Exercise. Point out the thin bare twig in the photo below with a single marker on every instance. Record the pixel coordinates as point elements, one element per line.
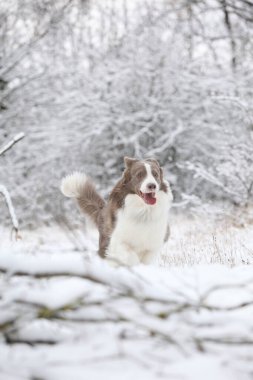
<point>10,144</point>
<point>8,201</point>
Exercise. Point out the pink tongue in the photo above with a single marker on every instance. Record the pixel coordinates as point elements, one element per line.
<point>149,199</point>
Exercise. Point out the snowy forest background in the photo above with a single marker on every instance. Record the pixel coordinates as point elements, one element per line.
<point>82,84</point>
<point>91,81</point>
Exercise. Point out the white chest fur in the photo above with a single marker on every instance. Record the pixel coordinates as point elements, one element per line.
<point>140,230</point>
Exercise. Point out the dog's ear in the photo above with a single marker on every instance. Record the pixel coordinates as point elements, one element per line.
<point>161,173</point>
<point>129,162</point>
<point>156,162</point>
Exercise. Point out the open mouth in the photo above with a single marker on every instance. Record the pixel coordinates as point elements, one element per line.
<point>149,198</point>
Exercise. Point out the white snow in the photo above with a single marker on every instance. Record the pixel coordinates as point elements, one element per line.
<point>86,319</point>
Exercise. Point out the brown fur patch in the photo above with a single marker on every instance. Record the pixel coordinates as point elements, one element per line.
<point>91,203</point>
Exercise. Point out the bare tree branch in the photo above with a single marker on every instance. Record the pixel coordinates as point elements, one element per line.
<point>8,201</point>
<point>10,144</point>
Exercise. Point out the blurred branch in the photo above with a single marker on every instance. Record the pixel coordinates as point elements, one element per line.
<point>10,144</point>
<point>5,192</point>
<point>8,201</point>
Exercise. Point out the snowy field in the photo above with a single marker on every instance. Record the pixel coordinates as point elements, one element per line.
<point>67,315</point>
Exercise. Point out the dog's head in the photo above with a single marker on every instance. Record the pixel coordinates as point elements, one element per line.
<point>144,178</point>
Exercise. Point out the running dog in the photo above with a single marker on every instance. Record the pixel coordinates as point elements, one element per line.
<point>133,223</point>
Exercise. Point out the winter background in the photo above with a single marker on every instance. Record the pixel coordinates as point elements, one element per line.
<point>83,83</point>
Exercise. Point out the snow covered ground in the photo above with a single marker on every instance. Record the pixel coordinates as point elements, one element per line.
<point>65,314</point>
<point>207,241</point>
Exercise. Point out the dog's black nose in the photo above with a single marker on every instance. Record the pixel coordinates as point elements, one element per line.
<point>151,186</point>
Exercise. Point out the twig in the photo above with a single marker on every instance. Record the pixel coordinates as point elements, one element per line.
<point>8,201</point>
<point>8,146</point>
<point>3,189</point>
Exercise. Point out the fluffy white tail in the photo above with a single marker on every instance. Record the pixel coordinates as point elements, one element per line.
<point>73,184</point>
<point>78,186</point>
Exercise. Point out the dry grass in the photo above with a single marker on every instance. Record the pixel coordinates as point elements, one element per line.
<point>205,241</point>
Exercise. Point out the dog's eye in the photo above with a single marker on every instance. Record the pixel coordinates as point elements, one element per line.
<point>139,175</point>
<point>155,174</point>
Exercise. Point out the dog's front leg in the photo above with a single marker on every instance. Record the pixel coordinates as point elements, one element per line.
<point>148,257</point>
<point>122,254</point>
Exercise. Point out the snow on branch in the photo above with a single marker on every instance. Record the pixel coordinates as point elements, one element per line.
<point>10,144</point>
<point>6,195</point>
<point>3,189</point>
<point>188,312</point>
